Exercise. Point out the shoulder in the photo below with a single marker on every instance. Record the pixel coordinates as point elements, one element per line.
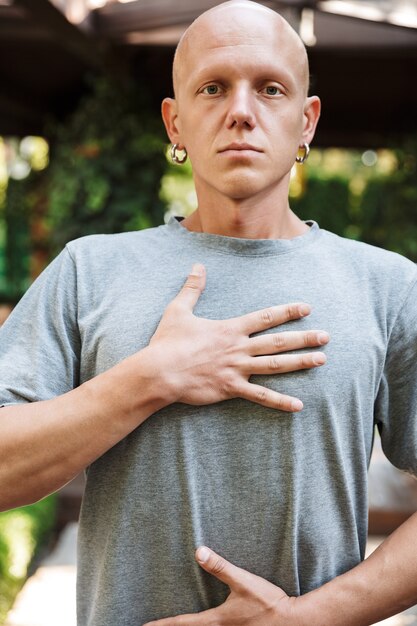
<point>105,253</point>
<point>114,243</point>
<point>370,262</point>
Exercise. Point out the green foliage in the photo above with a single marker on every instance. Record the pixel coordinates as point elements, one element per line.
<point>22,532</point>
<point>327,201</point>
<point>390,208</point>
<point>17,243</point>
<point>106,164</point>
<point>3,267</point>
<point>380,208</point>
<point>177,189</point>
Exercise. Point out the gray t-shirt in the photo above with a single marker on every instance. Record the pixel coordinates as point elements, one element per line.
<point>281,495</point>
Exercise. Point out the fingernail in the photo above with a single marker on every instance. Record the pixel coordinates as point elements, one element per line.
<point>304,309</point>
<point>296,405</point>
<point>322,338</point>
<point>203,554</point>
<point>197,269</point>
<point>319,358</point>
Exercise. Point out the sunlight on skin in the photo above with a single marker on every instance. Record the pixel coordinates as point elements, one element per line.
<point>245,75</point>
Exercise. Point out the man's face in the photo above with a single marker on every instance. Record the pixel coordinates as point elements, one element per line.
<point>241,102</point>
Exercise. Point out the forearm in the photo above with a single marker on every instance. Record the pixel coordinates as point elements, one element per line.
<point>45,444</point>
<point>189,359</point>
<point>383,585</point>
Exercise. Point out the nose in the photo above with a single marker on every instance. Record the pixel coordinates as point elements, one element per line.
<point>241,109</point>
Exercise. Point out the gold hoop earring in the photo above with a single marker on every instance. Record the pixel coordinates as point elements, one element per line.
<point>174,156</point>
<point>302,159</point>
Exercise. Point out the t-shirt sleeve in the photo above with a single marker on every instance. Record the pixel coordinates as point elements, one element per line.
<point>40,342</point>
<point>396,402</point>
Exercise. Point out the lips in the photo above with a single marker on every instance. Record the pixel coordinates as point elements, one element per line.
<point>240,147</point>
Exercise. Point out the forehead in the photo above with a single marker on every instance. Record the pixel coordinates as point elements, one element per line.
<point>240,61</point>
<point>246,44</point>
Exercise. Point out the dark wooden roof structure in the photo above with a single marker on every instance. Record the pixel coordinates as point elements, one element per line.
<point>364,70</point>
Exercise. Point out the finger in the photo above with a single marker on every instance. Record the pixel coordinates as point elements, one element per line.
<point>274,343</point>
<point>282,363</point>
<point>225,571</point>
<point>190,619</point>
<point>271,399</point>
<point>193,287</point>
<point>272,316</point>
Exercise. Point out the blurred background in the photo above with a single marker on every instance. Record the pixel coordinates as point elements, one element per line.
<point>83,150</point>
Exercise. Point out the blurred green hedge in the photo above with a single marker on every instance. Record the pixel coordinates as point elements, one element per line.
<point>22,532</point>
<point>379,208</point>
<point>106,162</point>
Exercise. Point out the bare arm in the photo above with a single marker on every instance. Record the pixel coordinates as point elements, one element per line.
<point>189,359</point>
<point>45,444</point>
<point>383,585</point>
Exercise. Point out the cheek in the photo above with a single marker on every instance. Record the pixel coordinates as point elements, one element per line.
<point>191,132</point>
<point>198,136</point>
<point>284,135</point>
<point>288,123</point>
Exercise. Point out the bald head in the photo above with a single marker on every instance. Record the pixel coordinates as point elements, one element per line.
<point>226,24</point>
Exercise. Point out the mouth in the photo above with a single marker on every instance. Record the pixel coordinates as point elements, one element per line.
<point>240,147</point>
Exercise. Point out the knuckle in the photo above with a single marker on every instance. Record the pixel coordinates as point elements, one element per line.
<point>310,339</point>
<point>261,394</point>
<point>291,311</point>
<point>192,283</point>
<point>307,361</point>
<point>229,386</point>
<point>285,403</point>
<point>280,403</point>
<point>267,316</point>
<point>278,341</point>
<point>275,364</point>
<point>218,565</point>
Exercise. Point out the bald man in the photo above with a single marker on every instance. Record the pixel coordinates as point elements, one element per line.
<point>201,410</point>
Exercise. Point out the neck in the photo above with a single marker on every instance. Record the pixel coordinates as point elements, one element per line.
<point>250,218</point>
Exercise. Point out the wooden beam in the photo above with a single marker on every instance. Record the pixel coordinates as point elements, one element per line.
<point>116,19</point>
<point>19,30</point>
<point>45,14</point>
<point>119,18</point>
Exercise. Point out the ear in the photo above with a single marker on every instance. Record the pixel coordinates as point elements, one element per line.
<point>170,118</point>
<point>310,118</point>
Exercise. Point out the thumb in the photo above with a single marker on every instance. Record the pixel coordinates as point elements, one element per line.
<point>193,286</point>
<point>220,568</point>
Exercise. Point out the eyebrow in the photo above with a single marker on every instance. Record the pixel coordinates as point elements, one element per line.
<point>262,72</point>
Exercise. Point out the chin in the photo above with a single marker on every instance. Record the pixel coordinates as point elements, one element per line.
<point>242,187</point>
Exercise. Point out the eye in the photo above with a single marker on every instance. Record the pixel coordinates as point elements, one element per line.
<point>272,90</point>
<point>211,90</point>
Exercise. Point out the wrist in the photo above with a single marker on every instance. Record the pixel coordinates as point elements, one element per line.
<point>342,601</point>
<point>303,612</point>
<point>131,391</point>
<point>156,378</point>
<point>306,610</point>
